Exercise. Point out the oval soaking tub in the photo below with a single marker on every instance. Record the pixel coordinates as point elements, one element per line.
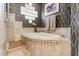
<point>46,44</point>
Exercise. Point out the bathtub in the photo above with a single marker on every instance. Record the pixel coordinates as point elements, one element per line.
<point>47,44</point>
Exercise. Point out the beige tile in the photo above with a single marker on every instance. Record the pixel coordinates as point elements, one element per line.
<point>15,44</point>
<point>22,51</point>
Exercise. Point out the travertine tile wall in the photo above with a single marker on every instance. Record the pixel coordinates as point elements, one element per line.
<point>66,31</point>
<point>13,28</point>
<point>2,29</point>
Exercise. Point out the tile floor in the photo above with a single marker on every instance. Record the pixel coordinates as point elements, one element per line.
<point>17,48</point>
<point>19,51</point>
<point>15,44</point>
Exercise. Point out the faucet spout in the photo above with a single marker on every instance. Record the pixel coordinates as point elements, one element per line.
<point>35,29</point>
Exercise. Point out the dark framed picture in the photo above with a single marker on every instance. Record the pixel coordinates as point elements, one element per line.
<point>51,8</point>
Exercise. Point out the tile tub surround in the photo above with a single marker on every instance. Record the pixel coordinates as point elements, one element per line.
<point>60,47</point>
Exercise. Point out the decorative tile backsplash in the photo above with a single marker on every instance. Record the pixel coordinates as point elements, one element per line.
<point>15,8</point>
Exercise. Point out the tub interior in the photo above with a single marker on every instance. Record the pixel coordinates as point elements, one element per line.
<point>42,35</point>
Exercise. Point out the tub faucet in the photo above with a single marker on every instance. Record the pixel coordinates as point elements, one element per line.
<point>35,29</point>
